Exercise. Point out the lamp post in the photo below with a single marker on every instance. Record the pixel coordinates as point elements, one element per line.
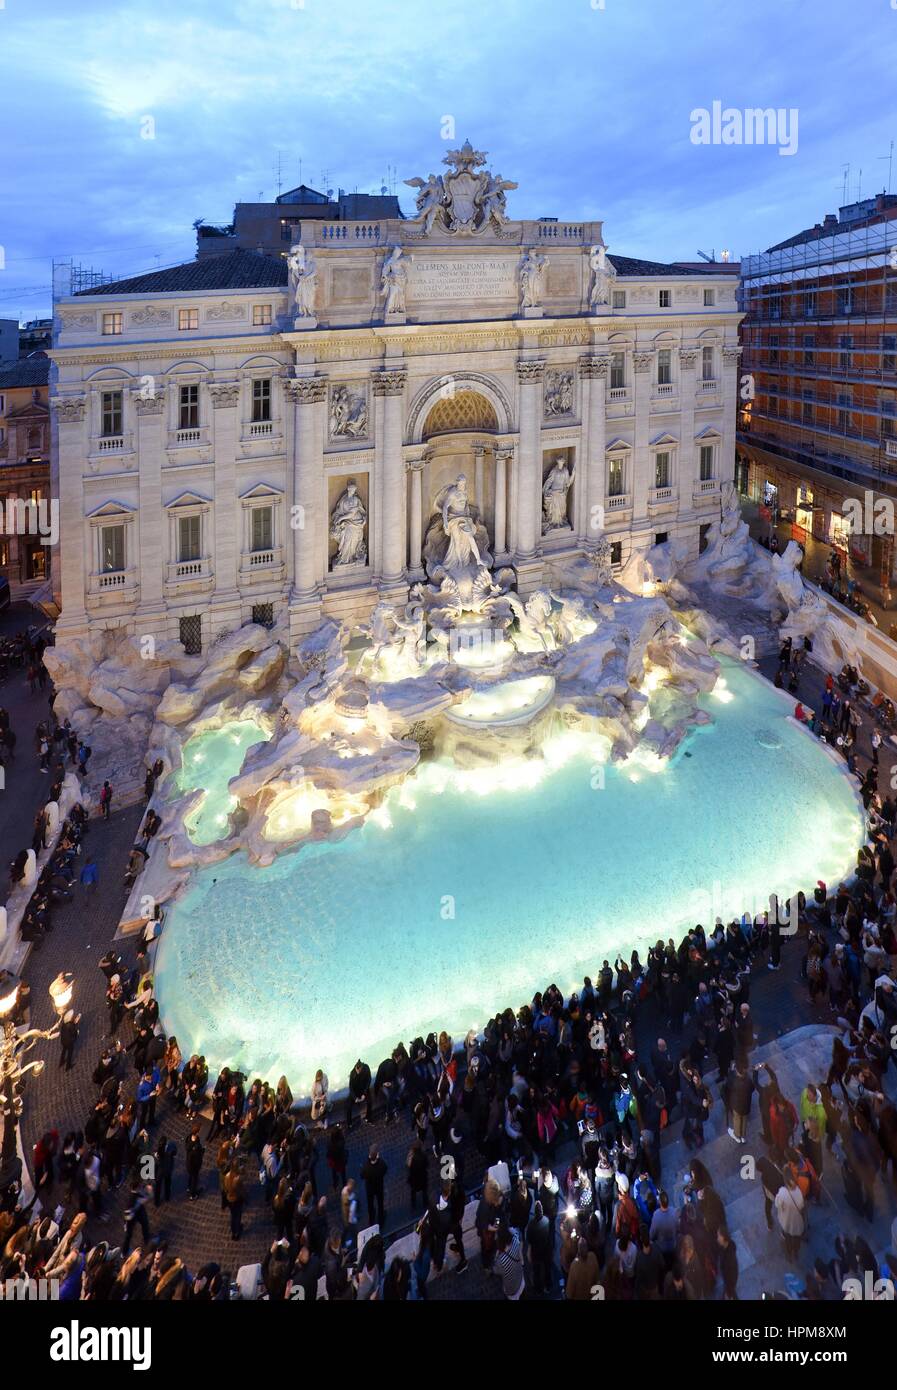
<point>12,1050</point>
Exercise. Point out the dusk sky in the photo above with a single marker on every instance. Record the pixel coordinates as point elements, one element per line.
<point>587,108</point>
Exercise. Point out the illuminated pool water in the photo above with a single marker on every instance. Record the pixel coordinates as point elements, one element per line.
<point>467,891</point>
<point>209,761</point>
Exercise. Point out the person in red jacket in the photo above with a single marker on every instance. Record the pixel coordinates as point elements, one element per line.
<point>782,1124</point>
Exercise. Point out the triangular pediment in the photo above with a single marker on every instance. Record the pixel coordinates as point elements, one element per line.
<point>708,432</point>
<point>188,499</point>
<point>616,445</point>
<point>663,439</point>
<point>112,508</point>
<point>261,490</point>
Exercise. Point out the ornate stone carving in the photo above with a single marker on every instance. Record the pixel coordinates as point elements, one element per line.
<point>558,394</point>
<point>70,409</point>
<point>641,361</point>
<point>389,382</point>
<point>603,276</point>
<point>78,320</point>
<point>150,317</point>
<point>687,358</point>
<point>348,412</point>
<point>303,280</point>
<point>149,401</point>
<point>643,294</point>
<point>347,527</point>
<point>469,199</point>
<point>689,294</point>
<point>225,394</point>
<point>530,370</point>
<point>554,497</point>
<point>226,312</point>
<point>456,547</point>
<point>731,354</point>
<point>530,276</point>
<point>306,390</point>
<point>594,367</point>
<point>394,282</point>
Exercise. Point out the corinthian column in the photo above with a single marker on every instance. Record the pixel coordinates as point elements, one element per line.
<point>731,356</point>
<point>149,403</point>
<point>225,399</point>
<point>687,472</point>
<point>389,384</point>
<point>592,470</point>
<point>502,459</point>
<point>307,395</point>
<point>73,449</point>
<point>529,458</point>
<point>415,470</point>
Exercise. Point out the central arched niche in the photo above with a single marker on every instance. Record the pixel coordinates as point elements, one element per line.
<point>457,430</point>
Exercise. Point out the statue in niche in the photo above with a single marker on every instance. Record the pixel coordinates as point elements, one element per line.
<point>303,276</point>
<point>456,550</point>
<point>603,276</point>
<point>554,497</point>
<point>453,505</point>
<point>394,281</point>
<point>347,523</point>
<point>348,414</point>
<point>532,269</point>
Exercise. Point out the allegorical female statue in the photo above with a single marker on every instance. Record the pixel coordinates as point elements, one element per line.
<point>554,497</point>
<point>458,525</point>
<point>347,523</point>
<point>530,274</point>
<point>304,275</point>
<point>393,282</point>
<point>603,276</point>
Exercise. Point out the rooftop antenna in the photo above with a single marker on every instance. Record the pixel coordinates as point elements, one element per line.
<point>846,168</point>
<point>890,158</point>
<point>300,171</point>
<point>860,187</point>
<point>279,174</point>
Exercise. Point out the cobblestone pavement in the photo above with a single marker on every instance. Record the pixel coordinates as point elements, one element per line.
<point>198,1231</point>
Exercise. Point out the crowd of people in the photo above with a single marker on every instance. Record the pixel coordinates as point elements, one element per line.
<point>554,1118</point>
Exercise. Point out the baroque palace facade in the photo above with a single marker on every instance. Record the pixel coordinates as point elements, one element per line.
<point>249,435</point>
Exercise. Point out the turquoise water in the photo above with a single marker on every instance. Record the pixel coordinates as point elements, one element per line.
<point>461,899</point>
<point>209,761</point>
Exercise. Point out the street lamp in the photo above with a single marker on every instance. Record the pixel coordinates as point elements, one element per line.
<point>12,1050</point>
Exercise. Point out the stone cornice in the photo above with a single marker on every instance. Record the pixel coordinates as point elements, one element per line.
<point>731,354</point>
<point>688,357</point>
<point>530,370</point>
<point>641,361</point>
<point>150,403</point>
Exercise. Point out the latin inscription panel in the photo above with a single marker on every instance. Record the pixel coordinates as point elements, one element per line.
<point>462,277</point>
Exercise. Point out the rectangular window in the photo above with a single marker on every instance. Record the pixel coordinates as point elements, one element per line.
<point>809,349</point>
<point>262,528</point>
<point>662,469</point>
<point>188,408</point>
<point>263,614</point>
<point>844,302</point>
<point>889,352</point>
<point>261,315</point>
<point>845,346</point>
<point>775,305</point>
<point>189,538</point>
<point>261,400</point>
<point>190,631</point>
<point>807,409</point>
<point>617,371</point>
<point>187,319</point>
<point>619,299</point>
<point>616,552</point>
<point>111,424</point>
<point>112,324</point>
<point>615,477</point>
<point>112,549</point>
<point>773,349</point>
<point>706,462</point>
<point>664,299</point>
<point>709,298</point>
<point>810,304</point>
<point>664,367</point>
<point>661,537</point>
<point>707,363</point>
<point>704,537</point>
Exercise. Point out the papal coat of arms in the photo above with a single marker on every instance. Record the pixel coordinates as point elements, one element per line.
<point>465,201</point>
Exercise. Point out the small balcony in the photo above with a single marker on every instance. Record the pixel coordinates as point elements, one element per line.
<point>261,429</point>
<point>618,393</point>
<point>184,575</point>
<point>706,489</point>
<point>113,587</point>
<point>663,388</point>
<point>261,566</point>
<point>188,437</point>
<point>110,444</point>
<point>618,502</point>
<point>709,387</point>
<point>663,498</point>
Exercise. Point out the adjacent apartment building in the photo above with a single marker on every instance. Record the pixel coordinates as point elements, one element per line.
<point>817,420</point>
<point>24,463</point>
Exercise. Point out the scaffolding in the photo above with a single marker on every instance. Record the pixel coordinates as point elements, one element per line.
<point>842,281</point>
